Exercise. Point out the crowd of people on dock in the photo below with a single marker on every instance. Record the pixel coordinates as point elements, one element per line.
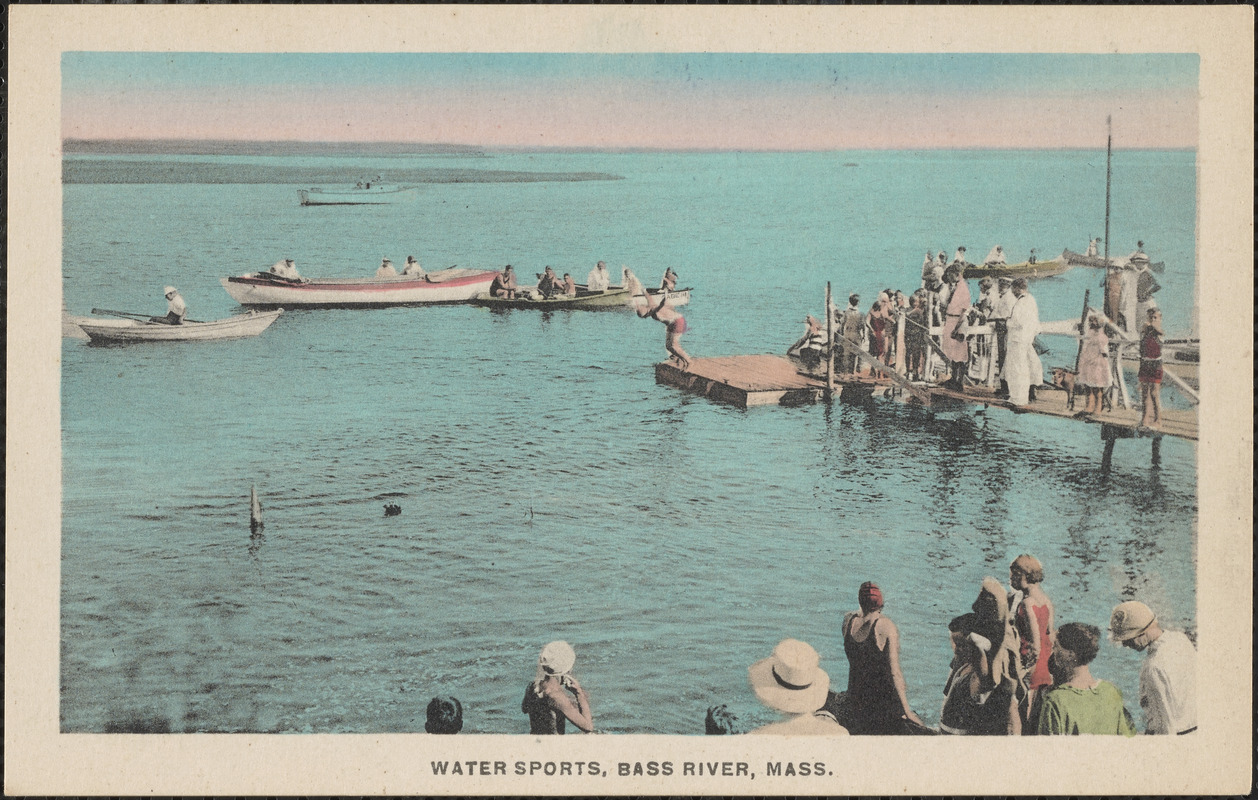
<point>942,333</point>
<point>1014,671</point>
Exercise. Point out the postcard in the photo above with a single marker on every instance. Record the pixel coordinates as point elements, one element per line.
<point>716,387</point>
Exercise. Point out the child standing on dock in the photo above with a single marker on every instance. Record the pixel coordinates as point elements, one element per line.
<point>1151,370</point>
<point>1094,364</point>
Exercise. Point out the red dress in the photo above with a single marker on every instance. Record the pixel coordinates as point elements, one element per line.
<point>1039,676</point>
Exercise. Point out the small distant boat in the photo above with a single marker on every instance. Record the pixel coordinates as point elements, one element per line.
<point>1024,269</point>
<point>452,285</point>
<point>369,193</point>
<point>1080,260</point>
<point>126,331</point>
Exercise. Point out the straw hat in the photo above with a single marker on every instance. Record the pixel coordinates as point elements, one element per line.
<point>557,658</point>
<point>1129,620</point>
<point>169,290</point>
<point>791,679</point>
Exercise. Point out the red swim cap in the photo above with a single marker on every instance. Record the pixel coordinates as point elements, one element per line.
<point>870,596</point>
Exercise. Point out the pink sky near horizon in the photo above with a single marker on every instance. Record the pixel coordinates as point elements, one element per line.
<point>637,115</point>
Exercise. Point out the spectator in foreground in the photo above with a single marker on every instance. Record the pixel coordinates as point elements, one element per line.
<point>445,715</point>
<point>792,681</point>
<point>876,691</point>
<point>555,696</point>
<point>1168,676</point>
<point>1079,703</point>
<point>720,722</point>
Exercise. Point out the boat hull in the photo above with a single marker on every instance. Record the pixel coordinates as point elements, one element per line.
<point>1040,269</point>
<point>614,297</point>
<point>375,196</point>
<point>446,286</point>
<point>130,331</point>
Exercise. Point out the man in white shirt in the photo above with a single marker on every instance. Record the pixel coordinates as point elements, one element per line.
<point>1093,249</point>
<point>413,267</point>
<point>1023,369</point>
<point>1168,677</point>
<point>386,269</point>
<point>285,268</point>
<point>959,258</point>
<point>176,308</point>
<point>995,256</point>
<point>598,280</point>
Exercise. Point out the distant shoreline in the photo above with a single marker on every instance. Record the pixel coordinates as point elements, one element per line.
<point>232,147</point>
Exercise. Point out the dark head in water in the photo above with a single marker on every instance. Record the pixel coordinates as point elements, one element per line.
<point>392,509</point>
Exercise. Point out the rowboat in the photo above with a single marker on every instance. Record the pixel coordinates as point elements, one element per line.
<point>366,194</point>
<point>1080,260</point>
<point>263,289</point>
<point>612,297</point>
<point>126,331</point>
<point>1024,269</point>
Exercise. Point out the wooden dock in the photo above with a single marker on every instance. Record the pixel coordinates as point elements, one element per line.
<point>747,381</point>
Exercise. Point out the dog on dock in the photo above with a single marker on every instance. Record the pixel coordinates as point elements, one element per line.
<point>1066,379</point>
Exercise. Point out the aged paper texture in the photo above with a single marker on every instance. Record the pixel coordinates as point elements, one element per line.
<point>42,759</point>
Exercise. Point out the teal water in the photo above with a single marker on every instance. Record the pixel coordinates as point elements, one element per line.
<point>549,488</point>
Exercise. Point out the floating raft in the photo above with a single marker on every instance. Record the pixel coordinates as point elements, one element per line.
<point>743,381</point>
<point>747,381</point>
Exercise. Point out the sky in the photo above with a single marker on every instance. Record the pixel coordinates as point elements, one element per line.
<point>706,101</point>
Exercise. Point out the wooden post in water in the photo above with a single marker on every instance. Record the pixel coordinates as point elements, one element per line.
<point>1157,451</point>
<point>255,511</point>
<point>829,347</point>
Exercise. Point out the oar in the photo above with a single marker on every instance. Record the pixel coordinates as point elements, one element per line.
<point>144,317</point>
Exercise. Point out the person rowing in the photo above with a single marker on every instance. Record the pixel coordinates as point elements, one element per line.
<point>177,309</point>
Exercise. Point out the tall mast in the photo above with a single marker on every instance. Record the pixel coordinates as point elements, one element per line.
<point>1109,144</point>
<point>1107,301</point>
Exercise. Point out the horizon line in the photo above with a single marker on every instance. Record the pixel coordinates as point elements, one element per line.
<point>591,148</point>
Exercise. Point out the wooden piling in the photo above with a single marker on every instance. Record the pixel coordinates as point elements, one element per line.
<point>829,347</point>
<point>255,511</point>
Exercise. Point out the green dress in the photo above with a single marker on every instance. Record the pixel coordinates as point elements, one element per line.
<point>1069,711</point>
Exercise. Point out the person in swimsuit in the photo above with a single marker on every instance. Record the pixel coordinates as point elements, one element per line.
<point>569,285</point>
<point>555,696</point>
<point>1034,621</point>
<point>877,697</point>
<point>675,323</point>
<point>504,285</point>
<point>1150,375</point>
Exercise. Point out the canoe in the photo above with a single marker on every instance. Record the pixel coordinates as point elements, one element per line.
<point>131,330</point>
<point>444,286</point>
<point>1080,260</point>
<point>612,297</point>
<point>374,194</point>
<point>1024,269</point>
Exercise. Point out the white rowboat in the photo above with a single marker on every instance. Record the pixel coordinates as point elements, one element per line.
<point>132,330</point>
<point>374,194</point>
<point>444,286</point>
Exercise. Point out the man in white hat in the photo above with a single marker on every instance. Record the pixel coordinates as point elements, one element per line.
<point>1168,677</point>
<point>176,308</point>
<point>386,270</point>
<point>792,681</point>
